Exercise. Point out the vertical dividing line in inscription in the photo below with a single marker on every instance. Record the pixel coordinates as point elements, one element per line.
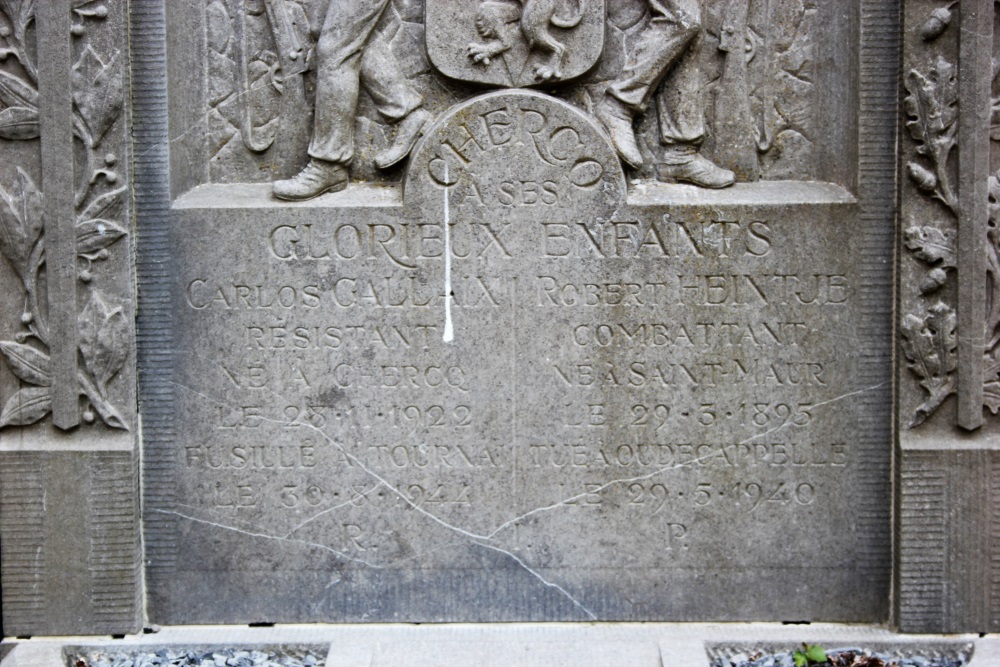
<point>53,21</point>
<point>513,381</point>
<point>449,329</point>
<point>975,73</point>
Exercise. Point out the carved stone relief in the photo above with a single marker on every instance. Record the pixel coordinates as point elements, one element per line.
<point>98,223</point>
<point>737,95</point>
<point>496,316</point>
<point>952,237</point>
<point>70,555</point>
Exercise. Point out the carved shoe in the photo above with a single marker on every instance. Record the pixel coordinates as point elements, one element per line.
<point>407,133</point>
<point>617,120</point>
<point>319,176</point>
<point>692,167</point>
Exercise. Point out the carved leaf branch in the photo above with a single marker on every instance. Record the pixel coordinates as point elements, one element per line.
<point>932,112</point>
<point>930,345</point>
<point>20,14</point>
<point>103,328</point>
<point>20,223</point>
<point>97,95</point>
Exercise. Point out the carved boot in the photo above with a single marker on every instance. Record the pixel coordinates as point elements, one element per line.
<point>617,120</point>
<point>319,176</point>
<point>684,164</point>
<point>407,132</point>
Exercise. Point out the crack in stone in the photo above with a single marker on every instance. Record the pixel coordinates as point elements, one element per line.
<point>542,579</point>
<point>486,541</point>
<point>267,536</point>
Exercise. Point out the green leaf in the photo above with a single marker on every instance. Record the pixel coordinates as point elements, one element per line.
<point>800,659</point>
<point>815,654</point>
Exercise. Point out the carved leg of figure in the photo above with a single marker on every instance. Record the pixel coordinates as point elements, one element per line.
<point>347,27</point>
<point>396,100</point>
<point>680,109</point>
<point>672,28</point>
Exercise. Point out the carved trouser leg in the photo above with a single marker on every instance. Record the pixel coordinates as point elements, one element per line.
<point>348,45</point>
<point>383,79</point>
<point>674,25</point>
<point>680,102</point>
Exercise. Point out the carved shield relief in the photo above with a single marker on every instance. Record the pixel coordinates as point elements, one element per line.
<point>514,43</point>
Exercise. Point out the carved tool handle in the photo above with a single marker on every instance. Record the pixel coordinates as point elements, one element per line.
<point>735,129</point>
<point>285,35</point>
<point>243,81</point>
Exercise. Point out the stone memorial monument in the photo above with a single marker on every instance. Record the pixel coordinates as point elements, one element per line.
<point>498,310</point>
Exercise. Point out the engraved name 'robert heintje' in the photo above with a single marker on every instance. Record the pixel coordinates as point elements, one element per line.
<point>481,291</point>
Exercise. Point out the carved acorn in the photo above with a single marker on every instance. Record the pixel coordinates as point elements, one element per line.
<point>924,178</point>
<point>938,22</point>
<point>934,280</point>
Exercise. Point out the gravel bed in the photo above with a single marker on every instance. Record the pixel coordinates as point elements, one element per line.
<point>842,657</point>
<point>230,657</point>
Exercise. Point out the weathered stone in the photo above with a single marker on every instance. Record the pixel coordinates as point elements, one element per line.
<point>69,502</point>
<point>948,329</point>
<point>503,310</point>
<point>518,375</point>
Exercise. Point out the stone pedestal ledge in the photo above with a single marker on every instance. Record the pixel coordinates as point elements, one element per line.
<point>523,645</point>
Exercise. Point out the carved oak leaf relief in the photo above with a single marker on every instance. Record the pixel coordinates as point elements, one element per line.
<point>928,337</point>
<point>932,112</point>
<point>935,248</point>
<point>930,345</point>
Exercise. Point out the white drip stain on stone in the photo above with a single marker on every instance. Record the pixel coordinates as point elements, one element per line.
<point>449,330</point>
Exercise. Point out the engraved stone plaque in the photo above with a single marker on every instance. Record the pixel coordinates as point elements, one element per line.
<point>584,356</point>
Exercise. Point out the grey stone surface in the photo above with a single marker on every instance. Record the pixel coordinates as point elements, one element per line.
<point>513,371</point>
<point>69,507</point>
<point>530,645</point>
<point>947,553</point>
<point>523,350</point>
